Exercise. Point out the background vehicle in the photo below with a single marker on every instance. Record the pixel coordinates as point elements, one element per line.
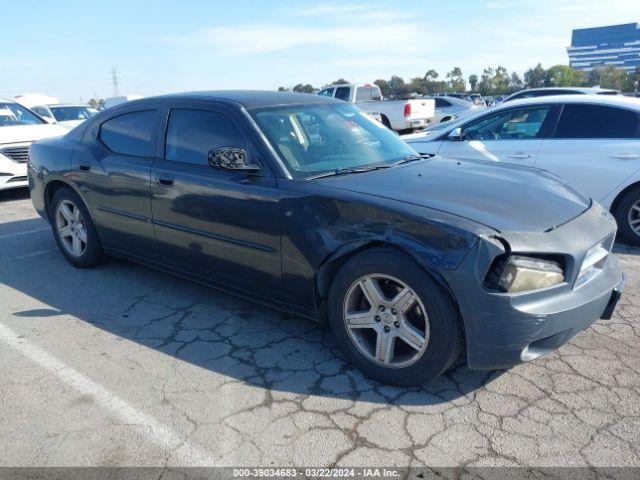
<point>450,108</point>
<point>307,204</point>
<point>65,115</point>
<point>18,128</point>
<point>113,101</point>
<point>398,115</point>
<point>591,141</point>
<point>546,92</point>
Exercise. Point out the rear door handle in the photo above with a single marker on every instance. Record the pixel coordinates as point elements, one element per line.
<point>164,180</point>
<point>84,165</point>
<point>520,156</point>
<point>626,156</point>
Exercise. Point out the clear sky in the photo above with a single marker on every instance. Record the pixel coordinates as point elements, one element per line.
<point>67,48</point>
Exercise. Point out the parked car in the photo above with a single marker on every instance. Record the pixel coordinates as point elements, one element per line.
<point>18,128</point>
<point>547,92</point>
<point>65,115</point>
<point>591,141</point>
<point>113,101</point>
<point>306,204</point>
<point>398,115</point>
<point>450,108</point>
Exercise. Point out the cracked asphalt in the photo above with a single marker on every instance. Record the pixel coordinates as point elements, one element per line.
<point>126,366</point>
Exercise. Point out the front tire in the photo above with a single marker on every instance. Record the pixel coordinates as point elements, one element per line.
<point>74,230</point>
<point>393,321</point>
<point>627,214</point>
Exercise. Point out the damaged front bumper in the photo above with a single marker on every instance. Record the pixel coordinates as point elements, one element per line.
<point>503,329</point>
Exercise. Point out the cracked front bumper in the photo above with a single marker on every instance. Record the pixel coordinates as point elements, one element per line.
<point>504,329</point>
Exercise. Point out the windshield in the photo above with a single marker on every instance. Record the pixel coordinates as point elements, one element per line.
<point>12,114</point>
<point>322,138</point>
<point>64,114</point>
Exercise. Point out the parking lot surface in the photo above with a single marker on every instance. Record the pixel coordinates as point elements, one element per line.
<point>123,365</point>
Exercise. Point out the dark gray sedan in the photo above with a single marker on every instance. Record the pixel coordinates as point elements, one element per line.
<point>305,204</point>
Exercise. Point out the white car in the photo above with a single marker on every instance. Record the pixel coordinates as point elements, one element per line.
<point>549,91</point>
<point>451,108</point>
<point>18,128</point>
<point>591,141</point>
<point>398,115</point>
<point>65,115</point>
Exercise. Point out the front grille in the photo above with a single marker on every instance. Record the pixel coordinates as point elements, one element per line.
<point>17,154</point>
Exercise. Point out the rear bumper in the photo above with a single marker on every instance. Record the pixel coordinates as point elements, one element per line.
<point>416,123</point>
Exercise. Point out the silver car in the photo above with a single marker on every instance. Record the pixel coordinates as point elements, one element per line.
<point>452,108</point>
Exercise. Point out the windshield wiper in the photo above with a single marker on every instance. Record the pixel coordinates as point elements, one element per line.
<point>347,171</point>
<point>413,158</point>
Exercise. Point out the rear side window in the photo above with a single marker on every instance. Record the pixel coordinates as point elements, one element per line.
<point>191,134</point>
<point>596,121</point>
<point>440,103</point>
<point>131,133</point>
<point>342,93</point>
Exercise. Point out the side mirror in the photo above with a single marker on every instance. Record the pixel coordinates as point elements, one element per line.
<point>455,135</point>
<point>231,159</point>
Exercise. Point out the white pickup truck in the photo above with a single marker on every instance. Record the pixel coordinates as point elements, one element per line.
<point>398,115</point>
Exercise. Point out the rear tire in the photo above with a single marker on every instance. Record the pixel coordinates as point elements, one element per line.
<point>74,230</point>
<point>432,316</point>
<point>386,122</point>
<point>627,214</point>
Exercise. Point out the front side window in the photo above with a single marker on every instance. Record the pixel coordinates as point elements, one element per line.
<point>342,93</point>
<point>322,138</point>
<point>131,133</point>
<point>191,134</point>
<point>516,124</point>
<point>596,121</point>
<point>12,114</point>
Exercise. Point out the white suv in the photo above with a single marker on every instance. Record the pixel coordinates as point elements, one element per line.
<point>591,141</point>
<point>19,127</point>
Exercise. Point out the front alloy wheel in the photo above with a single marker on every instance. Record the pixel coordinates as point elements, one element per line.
<point>386,320</point>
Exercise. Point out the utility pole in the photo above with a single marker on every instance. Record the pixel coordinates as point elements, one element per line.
<point>114,81</point>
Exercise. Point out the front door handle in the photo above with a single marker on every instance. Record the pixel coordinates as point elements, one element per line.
<point>164,180</point>
<point>520,156</point>
<point>626,156</point>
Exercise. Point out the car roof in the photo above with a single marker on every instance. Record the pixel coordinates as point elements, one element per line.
<point>67,105</point>
<point>614,100</point>
<point>247,98</point>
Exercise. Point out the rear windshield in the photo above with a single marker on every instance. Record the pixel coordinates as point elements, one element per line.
<point>12,114</point>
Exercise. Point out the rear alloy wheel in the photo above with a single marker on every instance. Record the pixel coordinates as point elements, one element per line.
<point>392,319</point>
<point>71,228</point>
<point>627,215</point>
<point>74,230</point>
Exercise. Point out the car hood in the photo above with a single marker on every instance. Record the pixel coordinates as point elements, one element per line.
<point>29,133</point>
<point>500,196</point>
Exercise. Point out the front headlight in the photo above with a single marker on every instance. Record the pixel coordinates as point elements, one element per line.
<point>517,273</point>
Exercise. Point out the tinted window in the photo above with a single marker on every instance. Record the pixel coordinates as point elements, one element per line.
<point>363,94</point>
<point>594,121</point>
<point>131,133</point>
<point>516,124</point>
<point>440,103</point>
<point>328,92</point>
<point>342,93</point>
<point>12,114</point>
<point>192,133</point>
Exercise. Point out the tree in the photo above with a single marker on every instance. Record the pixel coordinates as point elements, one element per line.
<point>431,83</point>
<point>300,88</point>
<point>397,86</point>
<point>283,89</point>
<point>515,83</point>
<point>456,80</point>
<point>96,102</point>
<point>340,81</point>
<point>534,77</point>
<point>384,87</point>
<point>559,76</point>
<point>473,81</point>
